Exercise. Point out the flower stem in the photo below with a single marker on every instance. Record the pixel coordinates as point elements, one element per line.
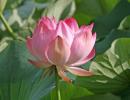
<point>7,26</point>
<point>58,87</point>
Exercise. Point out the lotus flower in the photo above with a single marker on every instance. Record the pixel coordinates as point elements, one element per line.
<point>62,44</point>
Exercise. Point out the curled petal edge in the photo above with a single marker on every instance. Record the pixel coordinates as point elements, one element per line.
<point>88,58</point>
<point>79,71</point>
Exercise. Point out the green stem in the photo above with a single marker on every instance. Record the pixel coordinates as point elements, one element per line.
<point>7,26</point>
<point>58,88</point>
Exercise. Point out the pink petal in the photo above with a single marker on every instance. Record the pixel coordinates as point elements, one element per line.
<point>72,23</point>
<point>58,52</point>
<point>45,30</point>
<point>49,23</point>
<point>31,49</point>
<point>85,60</point>
<point>43,59</point>
<point>64,77</point>
<point>79,71</point>
<point>38,45</point>
<point>40,42</point>
<point>45,23</point>
<point>44,33</point>
<point>82,45</point>
<point>29,45</point>
<point>39,63</point>
<point>65,32</point>
<point>90,27</point>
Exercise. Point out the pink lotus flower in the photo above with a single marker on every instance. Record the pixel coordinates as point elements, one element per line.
<point>62,44</point>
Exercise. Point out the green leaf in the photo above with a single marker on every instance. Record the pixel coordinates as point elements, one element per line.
<point>69,10</point>
<point>125,24</point>
<point>111,69</point>
<point>68,91</point>
<point>56,8</point>
<point>103,45</point>
<point>95,7</point>
<point>100,97</point>
<point>88,10</point>
<point>105,24</point>
<point>20,80</point>
<point>2,5</point>
<point>125,94</point>
<point>83,18</point>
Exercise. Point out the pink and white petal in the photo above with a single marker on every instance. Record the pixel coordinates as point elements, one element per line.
<point>58,52</point>
<point>43,37</point>
<point>65,32</point>
<point>85,60</point>
<point>64,77</point>
<point>47,23</point>
<point>43,61</point>
<point>87,29</point>
<point>29,45</point>
<point>81,46</point>
<point>33,51</point>
<point>39,64</point>
<point>72,23</point>
<point>40,42</point>
<point>79,71</point>
<point>44,34</point>
<point>53,21</point>
<point>37,45</point>
<point>45,30</point>
<point>50,23</point>
<point>90,27</point>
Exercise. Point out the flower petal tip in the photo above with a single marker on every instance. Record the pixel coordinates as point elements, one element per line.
<point>92,24</point>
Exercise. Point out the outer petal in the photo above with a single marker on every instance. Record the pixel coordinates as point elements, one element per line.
<point>85,60</point>
<point>65,32</point>
<point>90,27</point>
<point>43,36</point>
<point>72,23</point>
<point>29,45</point>
<point>79,71</point>
<point>39,63</point>
<point>44,63</point>
<point>82,45</point>
<point>39,44</point>
<point>58,52</point>
<point>45,23</point>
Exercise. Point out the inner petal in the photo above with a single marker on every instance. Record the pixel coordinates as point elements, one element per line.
<point>58,52</point>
